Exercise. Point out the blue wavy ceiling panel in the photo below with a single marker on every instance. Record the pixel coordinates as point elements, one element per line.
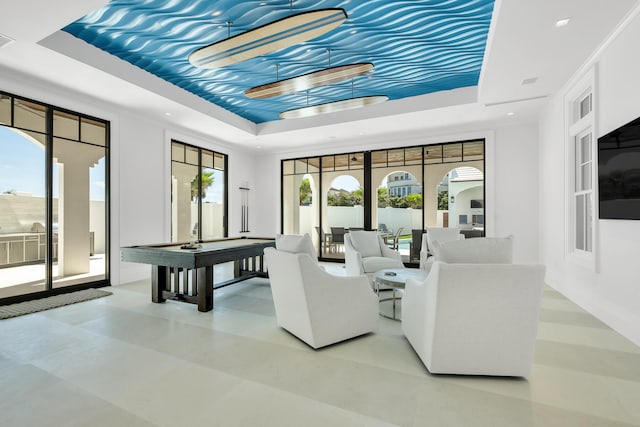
<point>417,47</point>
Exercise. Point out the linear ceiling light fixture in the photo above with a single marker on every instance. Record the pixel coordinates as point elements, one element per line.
<point>268,38</point>
<point>309,81</point>
<point>332,107</point>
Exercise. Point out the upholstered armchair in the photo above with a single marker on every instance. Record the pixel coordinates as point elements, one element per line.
<point>474,319</point>
<point>433,234</point>
<point>366,253</point>
<point>476,313</point>
<point>315,306</point>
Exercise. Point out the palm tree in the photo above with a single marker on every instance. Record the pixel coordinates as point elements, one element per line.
<point>207,179</point>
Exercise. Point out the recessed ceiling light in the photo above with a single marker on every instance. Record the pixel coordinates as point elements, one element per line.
<point>511,114</point>
<point>217,13</point>
<point>167,114</point>
<point>259,147</point>
<point>563,22</point>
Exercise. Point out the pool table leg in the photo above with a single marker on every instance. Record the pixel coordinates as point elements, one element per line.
<point>205,288</point>
<point>158,282</point>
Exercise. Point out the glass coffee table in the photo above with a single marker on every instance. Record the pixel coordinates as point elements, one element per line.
<point>394,279</point>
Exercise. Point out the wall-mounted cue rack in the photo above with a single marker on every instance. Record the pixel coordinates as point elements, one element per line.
<point>244,209</point>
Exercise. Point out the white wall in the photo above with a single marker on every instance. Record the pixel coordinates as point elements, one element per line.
<point>613,293</point>
<point>516,189</point>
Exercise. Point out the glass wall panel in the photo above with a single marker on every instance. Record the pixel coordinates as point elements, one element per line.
<point>452,152</point>
<point>341,162</point>
<point>66,125</point>
<point>328,163</point>
<point>342,202</point>
<point>413,156</point>
<point>191,155</point>
<point>177,152</point>
<point>79,224</point>
<point>93,131</point>
<point>473,150</point>
<point>397,197</point>
<point>198,194</point>
<point>454,190</point>
<point>432,154</point>
<point>300,205</point>
<point>410,188</point>
<point>395,157</point>
<point>184,202</point>
<point>213,186</point>
<point>379,159</point>
<point>22,213</point>
<point>29,115</point>
<point>78,182</point>
<point>314,164</point>
<point>5,109</point>
<point>301,166</point>
<point>220,161</point>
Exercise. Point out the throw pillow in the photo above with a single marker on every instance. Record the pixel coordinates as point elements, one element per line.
<point>479,250</point>
<point>296,244</point>
<point>366,242</point>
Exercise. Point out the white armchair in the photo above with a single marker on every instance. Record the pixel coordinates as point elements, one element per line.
<point>476,313</point>
<point>434,234</point>
<point>474,319</point>
<point>315,306</point>
<point>366,253</point>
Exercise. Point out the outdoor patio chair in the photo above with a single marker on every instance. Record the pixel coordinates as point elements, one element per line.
<point>337,236</point>
<point>393,241</point>
<point>325,241</point>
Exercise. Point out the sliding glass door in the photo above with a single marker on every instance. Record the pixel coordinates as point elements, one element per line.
<point>198,193</point>
<point>53,199</point>
<point>399,192</point>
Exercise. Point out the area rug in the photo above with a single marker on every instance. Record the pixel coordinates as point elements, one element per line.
<point>42,304</point>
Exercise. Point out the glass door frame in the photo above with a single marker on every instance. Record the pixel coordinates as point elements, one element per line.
<point>368,201</point>
<point>50,290</point>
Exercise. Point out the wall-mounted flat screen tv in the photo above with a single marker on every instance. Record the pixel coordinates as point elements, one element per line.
<point>619,172</point>
<point>477,203</point>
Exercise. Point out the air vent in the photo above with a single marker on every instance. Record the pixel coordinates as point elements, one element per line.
<point>5,40</point>
<point>530,81</point>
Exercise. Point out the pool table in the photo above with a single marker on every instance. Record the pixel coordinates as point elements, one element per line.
<point>187,274</point>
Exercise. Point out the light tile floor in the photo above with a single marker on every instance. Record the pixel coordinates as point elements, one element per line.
<point>124,361</point>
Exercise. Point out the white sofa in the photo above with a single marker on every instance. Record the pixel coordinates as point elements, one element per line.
<point>476,314</point>
<point>433,234</point>
<point>315,306</point>
<point>366,253</point>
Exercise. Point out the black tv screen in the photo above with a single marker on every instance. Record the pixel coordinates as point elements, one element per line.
<point>477,203</point>
<point>619,172</point>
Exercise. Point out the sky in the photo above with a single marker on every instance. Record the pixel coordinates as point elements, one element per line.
<point>22,167</point>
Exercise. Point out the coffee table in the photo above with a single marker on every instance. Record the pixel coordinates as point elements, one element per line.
<point>395,279</point>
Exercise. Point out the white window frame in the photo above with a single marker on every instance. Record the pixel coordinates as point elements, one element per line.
<point>576,128</point>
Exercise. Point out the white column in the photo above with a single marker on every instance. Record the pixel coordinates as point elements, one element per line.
<point>74,161</point>
<point>184,175</point>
